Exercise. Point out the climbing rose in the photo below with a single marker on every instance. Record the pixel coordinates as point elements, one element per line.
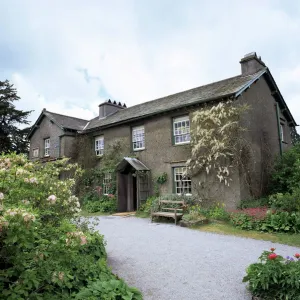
<point>272,256</point>
<point>273,249</point>
<point>297,255</point>
<point>52,199</point>
<point>1,196</point>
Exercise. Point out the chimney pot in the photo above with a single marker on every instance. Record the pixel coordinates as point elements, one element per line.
<point>109,107</point>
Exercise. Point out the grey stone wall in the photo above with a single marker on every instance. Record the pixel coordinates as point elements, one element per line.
<point>262,136</point>
<point>47,129</point>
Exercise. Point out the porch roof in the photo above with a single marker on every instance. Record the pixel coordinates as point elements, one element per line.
<point>135,163</point>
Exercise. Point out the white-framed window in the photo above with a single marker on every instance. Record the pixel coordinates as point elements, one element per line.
<point>99,145</point>
<point>181,130</point>
<point>107,183</point>
<point>182,182</point>
<point>282,132</point>
<point>47,147</point>
<point>35,152</point>
<point>138,138</point>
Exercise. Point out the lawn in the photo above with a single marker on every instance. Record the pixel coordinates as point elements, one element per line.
<point>84,213</point>
<point>228,229</point>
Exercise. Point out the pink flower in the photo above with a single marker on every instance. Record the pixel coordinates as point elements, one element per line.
<point>297,255</point>
<point>272,249</point>
<point>52,199</point>
<point>83,240</point>
<point>110,195</point>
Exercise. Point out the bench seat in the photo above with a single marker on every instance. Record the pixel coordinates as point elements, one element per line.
<point>170,212</point>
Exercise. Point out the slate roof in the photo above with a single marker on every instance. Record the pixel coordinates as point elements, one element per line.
<point>219,89</point>
<point>66,122</point>
<point>62,121</point>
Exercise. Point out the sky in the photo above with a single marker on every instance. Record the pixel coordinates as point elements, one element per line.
<point>69,56</point>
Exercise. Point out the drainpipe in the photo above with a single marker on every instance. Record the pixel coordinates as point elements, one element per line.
<point>278,128</point>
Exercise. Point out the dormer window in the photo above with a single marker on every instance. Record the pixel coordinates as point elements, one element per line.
<point>99,145</point>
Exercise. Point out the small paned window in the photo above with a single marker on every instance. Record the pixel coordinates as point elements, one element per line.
<point>47,147</point>
<point>181,130</point>
<point>107,180</point>
<point>35,152</point>
<point>138,138</point>
<point>182,182</point>
<point>99,145</point>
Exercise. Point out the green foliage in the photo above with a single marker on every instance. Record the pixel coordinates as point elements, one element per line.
<point>146,207</point>
<point>266,220</point>
<point>274,277</point>
<point>103,204</point>
<point>288,202</point>
<point>43,255</point>
<point>158,182</point>
<point>286,172</point>
<point>109,290</point>
<point>253,203</point>
<point>12,138</point>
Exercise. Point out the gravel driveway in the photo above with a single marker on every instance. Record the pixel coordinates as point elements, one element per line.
<point>170,262</point>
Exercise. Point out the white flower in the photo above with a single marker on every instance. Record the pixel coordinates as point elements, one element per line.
<point>52,199</point>
<point>1,196</point>
<point>33,180</point>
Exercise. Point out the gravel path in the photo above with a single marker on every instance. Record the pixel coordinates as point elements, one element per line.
<point>167,262</point>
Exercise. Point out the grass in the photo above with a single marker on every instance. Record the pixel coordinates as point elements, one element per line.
<point>85,213</point>
<point>228,229</point>
<point>141,214</point>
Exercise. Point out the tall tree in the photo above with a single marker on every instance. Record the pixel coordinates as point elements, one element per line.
<point>12,137</point>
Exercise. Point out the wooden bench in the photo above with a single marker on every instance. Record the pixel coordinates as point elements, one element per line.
<point>169,212</point>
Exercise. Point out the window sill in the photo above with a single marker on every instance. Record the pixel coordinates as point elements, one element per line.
<point>140,149</point>
<point>181,144</point>
<point>46,155</point>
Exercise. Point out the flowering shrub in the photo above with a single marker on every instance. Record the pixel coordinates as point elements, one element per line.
<point>274,277</point>
<point>264,219</point>
<point>215,140</point>
<point>43,255</point>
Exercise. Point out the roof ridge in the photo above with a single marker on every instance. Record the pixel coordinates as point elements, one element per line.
<point>66,116</point>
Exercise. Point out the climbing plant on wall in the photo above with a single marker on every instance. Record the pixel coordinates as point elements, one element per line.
<point>216,140</point>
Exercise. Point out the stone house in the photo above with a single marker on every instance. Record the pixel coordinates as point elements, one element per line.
<point>155,136</point>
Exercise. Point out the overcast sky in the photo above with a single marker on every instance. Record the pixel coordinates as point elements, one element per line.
<point>69,56</point>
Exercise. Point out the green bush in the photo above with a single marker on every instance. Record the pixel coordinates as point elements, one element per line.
<point>105,206</point>
<point>274,277</point>
<point>146,207</point>
<point>43,255</point>
<point>253,203</point>
<point>286,172</point>
<point>288,202</point>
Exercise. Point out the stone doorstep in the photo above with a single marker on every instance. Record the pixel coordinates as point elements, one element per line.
<point>124,214</point>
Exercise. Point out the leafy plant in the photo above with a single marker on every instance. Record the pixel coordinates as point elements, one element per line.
<point>274,277</point>
<point>286,172</point>
<point>104,204</point>
<point>288,202</point>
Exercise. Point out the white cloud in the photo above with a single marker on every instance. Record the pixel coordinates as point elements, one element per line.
<point>143,51</point>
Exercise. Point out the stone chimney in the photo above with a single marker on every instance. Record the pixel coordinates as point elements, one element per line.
<point>251,63</point>
<point>109,107</point>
